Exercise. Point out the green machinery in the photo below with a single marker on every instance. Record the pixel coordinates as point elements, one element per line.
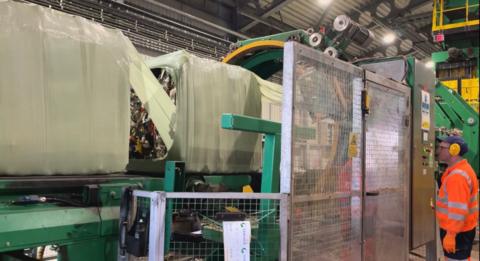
<point>176,179</point>
<point>263,55</point>
<point>452,111</point>
<point>455,25</point>
<point>77,215</point>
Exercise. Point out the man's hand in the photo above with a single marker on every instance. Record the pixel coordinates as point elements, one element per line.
<point>449,242</point>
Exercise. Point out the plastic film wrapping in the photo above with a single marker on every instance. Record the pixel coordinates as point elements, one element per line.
<point>64,93</point>
<point>205,90</point>
<point>64,96</point>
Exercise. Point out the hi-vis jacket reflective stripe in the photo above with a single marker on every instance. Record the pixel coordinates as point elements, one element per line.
<point>457,203</point>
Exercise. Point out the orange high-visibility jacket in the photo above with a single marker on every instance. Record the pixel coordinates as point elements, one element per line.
<point>457,203</point>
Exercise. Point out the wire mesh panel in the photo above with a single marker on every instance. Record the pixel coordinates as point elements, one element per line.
<point>386,173</point>
<point>197,231</point>
<point>321,148</point>
<point>198,226</point>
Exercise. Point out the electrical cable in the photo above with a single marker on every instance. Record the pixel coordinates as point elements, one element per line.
<point>36,199</point>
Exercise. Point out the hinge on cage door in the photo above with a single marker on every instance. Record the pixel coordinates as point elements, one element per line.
<point>365,102</point>
<point>406,121</point>
<point>407,115</point>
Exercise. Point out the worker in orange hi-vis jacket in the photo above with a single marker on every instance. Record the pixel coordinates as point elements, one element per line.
<point>457,203</point>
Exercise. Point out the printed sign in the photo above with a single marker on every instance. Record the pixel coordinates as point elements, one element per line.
<point>353,145</point>
<point>439,38</point>
<point>425,110</point>
<point>236,240</point>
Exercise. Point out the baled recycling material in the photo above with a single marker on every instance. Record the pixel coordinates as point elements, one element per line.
<point>64,93</point>
<point>64,99</point>
<point>205,90</point>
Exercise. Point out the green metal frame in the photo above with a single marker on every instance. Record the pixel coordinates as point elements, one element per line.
<point>174,181</point>
<point>271,148</point>
<point>82,233</point>
<point>451,111</point>
<point>175,176</point>
<point>270,168</point>
<point>441,57</point>
<point>265,63</point>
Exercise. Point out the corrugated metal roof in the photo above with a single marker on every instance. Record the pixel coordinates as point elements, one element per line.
<point>304,14</point>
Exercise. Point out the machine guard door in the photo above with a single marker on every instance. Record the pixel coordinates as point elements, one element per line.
<point>387,164</point>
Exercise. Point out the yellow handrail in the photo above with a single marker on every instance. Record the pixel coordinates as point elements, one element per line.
<point>439,11</point>
<point>466,11</point>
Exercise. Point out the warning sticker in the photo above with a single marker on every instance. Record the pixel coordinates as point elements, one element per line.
<point>425,110</point>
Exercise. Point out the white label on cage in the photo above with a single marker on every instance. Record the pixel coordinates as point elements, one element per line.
<point>425,136</point>
<point>236,240</point>
<point>425,110</point>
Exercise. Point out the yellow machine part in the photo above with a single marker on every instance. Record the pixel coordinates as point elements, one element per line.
<point>251,47</point>
<point>452,84</point>
<point>470,90</point>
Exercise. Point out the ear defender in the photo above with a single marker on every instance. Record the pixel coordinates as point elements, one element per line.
<point>454,149</point>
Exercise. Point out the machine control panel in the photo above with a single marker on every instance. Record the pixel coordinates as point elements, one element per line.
<point>427,155</point>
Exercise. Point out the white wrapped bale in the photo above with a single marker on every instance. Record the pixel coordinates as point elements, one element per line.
<point>64,93</point>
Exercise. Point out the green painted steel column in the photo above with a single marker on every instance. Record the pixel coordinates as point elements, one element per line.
<point>271,148</point>
<point>174,181</point>
<point>269,235</point>
<point>271,163</point>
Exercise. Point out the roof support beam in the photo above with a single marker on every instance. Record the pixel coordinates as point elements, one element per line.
<point>276,6</point>
<point>411,18</point>
<point>197,19</point>
<point>258,20</point>
<point>248,12</point>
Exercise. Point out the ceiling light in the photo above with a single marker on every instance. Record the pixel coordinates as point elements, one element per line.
<point>324,3</point>
<point>389,38</point>
<point>429,64</point>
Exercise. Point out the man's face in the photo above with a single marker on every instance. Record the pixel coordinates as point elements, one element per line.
<point>442,152</point>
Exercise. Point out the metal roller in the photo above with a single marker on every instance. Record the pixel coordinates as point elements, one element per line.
<point>315,40</point>
<point>352,30</point>
<point>330,51</point>
<point>341,23</point>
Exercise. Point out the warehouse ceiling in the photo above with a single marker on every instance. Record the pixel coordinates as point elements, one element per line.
<point>207,27</point>
<point>409,20</point>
